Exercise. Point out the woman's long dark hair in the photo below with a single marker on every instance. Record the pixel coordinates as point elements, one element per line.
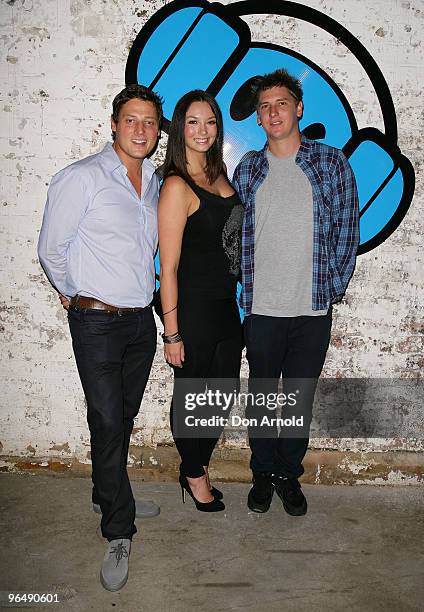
<point>175,160</point>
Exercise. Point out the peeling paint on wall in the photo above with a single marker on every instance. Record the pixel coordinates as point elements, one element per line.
<point>63,66</point>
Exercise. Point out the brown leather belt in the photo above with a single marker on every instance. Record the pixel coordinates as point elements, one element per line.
<point>79,301</point>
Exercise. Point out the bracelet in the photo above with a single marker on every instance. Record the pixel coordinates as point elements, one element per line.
<point>165,313</point>
<point>172,338</point>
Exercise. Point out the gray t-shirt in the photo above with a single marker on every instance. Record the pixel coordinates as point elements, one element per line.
<point>283,242</point>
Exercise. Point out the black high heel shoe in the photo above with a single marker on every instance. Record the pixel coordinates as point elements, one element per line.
<point>213,506</point>
<point>216,493</point>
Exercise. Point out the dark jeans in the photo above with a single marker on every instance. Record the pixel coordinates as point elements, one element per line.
<point>114,353</point>
<point>203,362</point>
<point>294,347</point>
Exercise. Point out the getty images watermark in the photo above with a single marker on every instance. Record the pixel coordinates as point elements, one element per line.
<point>329,408</point>
<point>217,400</point>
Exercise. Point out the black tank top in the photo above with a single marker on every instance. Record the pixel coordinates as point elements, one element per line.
<point>211,247</point>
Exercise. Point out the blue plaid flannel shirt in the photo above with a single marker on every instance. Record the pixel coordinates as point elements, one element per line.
<point>335,219</point>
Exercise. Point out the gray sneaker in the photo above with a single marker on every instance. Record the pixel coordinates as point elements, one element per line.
<point>143,508</point>
<point>114,572</point>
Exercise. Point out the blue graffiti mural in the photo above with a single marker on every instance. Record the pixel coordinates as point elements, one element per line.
<point>187,45</point>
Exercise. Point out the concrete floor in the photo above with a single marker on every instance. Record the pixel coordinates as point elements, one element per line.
<point>358,548</point>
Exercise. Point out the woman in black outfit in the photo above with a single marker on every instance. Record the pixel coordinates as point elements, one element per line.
<point>200,219</point>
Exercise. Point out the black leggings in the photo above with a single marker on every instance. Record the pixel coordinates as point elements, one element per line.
<point>220,360</point>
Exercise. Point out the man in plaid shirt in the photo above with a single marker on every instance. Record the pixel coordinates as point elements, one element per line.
<point>300,237</point>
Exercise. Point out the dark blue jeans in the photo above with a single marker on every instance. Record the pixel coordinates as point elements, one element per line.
<point>294,347</point>
<point>114,354</point>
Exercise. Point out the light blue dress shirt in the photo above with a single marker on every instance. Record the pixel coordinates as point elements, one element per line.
<point>98,237</point>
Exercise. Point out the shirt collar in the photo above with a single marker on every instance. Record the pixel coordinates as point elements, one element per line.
<point>112,161</point>
<point>110,158</point>
<point>304,151</point>
<point>305,148</point>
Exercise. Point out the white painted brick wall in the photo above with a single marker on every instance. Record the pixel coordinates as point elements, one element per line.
<point>62,61</point>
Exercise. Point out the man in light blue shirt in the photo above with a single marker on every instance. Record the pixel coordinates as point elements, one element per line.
<point>97,246</point>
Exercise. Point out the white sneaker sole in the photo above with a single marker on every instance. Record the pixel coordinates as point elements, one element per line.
<point>113,587</point>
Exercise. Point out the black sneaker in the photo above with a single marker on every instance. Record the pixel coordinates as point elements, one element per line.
<point>289,491</point>
<point>260,495</point>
